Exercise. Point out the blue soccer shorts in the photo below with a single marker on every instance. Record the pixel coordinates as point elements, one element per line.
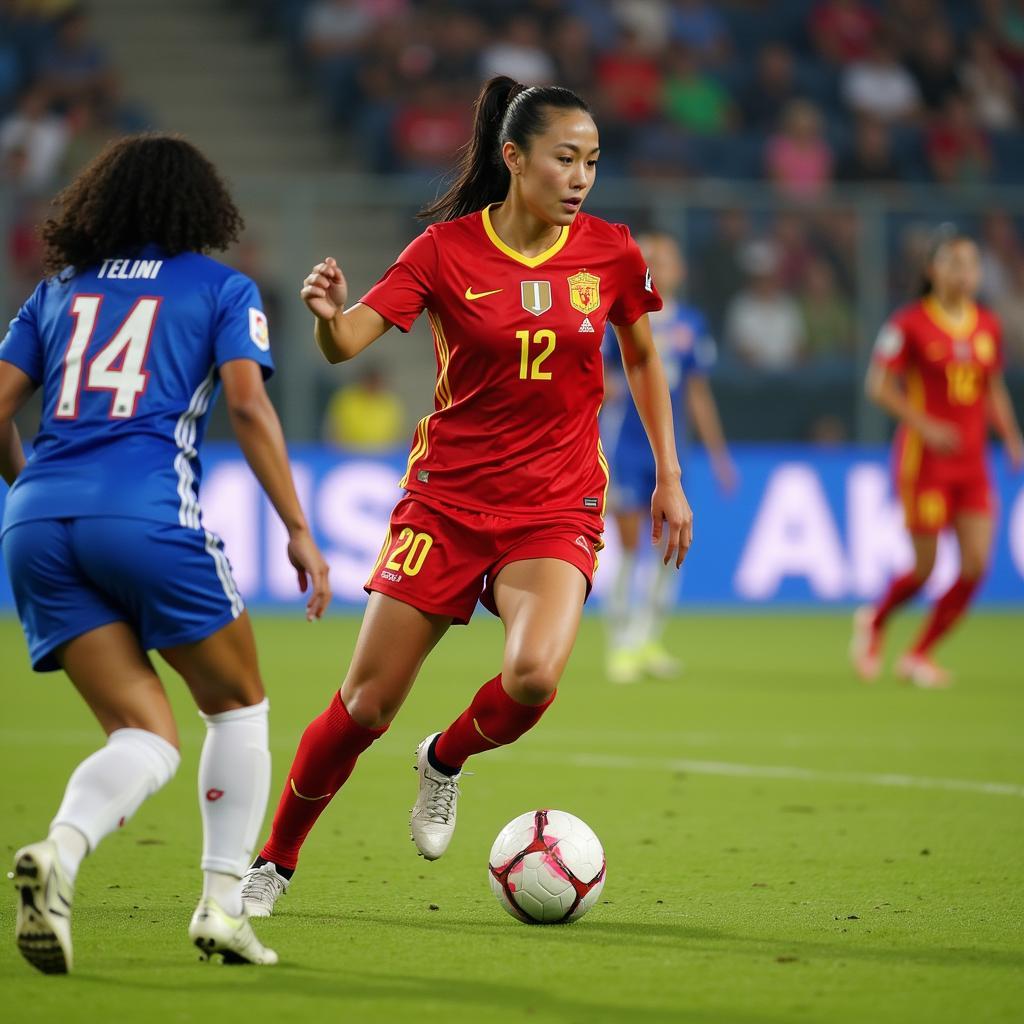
<point>170,584</point>
<point>633,478</point>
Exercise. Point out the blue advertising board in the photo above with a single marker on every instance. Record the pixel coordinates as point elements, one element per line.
<point>805,526</point>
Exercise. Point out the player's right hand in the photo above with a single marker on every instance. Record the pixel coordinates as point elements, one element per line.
<point>309,564</point>
<point>940,436</point>
<point>325,289</point>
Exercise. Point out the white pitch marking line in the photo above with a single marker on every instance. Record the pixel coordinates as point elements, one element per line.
<point>758,771</point>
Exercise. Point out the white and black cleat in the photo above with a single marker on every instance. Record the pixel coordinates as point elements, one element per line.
<point>433,817</point>
<point>213,931</point>
<point>43,925</point>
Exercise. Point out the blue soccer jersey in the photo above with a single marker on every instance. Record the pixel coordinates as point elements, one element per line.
<point>686,347</point>
<point>127,355</point>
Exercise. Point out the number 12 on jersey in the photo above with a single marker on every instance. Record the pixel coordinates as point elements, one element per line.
<point>130,344</point>
<point>529,368</point>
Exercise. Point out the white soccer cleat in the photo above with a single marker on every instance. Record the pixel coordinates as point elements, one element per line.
<point>920,670</point>
<point>658,663</point>
<point>261,888</point>
<point>43,926</point>
<point>213,930</point>
<point>866,645</point>
<point>624,667</point>
<point>433,816</point>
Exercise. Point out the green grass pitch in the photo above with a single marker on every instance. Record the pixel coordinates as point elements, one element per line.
<point>784,844</point>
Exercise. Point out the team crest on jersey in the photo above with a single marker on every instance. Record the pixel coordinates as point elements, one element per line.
<point>984,347</point>
<point>258,331</point>
<point>585,292</point>
<point>536,296</point>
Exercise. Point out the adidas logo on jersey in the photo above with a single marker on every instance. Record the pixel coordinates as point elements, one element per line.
<point>586,327</point>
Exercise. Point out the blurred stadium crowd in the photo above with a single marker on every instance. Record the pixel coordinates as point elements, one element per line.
<point>796,100</point>
<point>801,92</point>
<point>60,101</point>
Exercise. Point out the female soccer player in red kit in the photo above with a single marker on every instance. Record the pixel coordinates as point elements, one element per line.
<point>505,488</point>
<point>946,349</point>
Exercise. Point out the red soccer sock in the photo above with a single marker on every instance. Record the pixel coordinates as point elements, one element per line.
<point>901,590</point>
<point>492,720</point>
<point>326,756</point>
<point>945,614</point>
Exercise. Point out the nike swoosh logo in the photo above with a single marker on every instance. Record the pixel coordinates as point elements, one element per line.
<point>312,799</point>
<point>476,725</point>
<point>472,295</point>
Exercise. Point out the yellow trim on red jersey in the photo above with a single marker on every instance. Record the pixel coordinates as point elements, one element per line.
<point>419,449</point>
<point>527,261</point>
<point>603,463</point>
<point>442,395</point>
<point>910,457</point>
<point>962,328</point>
<point>443,389</point>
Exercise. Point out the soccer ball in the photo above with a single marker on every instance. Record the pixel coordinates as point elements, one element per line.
<point>547,867</point>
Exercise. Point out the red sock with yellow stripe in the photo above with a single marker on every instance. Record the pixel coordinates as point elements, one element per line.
<point>326,756</point>
<point>494,719</point>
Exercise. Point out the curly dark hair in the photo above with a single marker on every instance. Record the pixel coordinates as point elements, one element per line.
<point>143,189</point>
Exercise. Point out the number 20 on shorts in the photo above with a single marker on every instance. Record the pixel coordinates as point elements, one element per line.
<point>415,547</point>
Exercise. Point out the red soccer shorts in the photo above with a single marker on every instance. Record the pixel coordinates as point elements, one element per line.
<point>442,560</point>
<point>931,501</point>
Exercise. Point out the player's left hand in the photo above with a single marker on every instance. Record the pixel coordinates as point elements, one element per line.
<point>669,508</point>
<point>309,564</point>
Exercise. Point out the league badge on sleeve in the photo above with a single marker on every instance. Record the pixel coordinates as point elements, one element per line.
<point>985,348</point>
<point>258,330</point>
<point>889,343</point>
<point>585,292</point>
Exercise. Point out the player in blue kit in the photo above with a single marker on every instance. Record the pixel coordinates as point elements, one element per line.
<point>635,608</point>
<point>131,339</point>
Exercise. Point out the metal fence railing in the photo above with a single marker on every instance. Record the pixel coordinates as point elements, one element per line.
<point>842,263</point>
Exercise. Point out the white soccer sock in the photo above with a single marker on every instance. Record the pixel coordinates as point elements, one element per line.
<point>617,609</point>
<point>234,782</point>
<point>72,847</point>
<point>659,589</point>
<point>107,788</point>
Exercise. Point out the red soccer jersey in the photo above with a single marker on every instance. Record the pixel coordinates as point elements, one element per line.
<point>946,367</point>
<point>519,371</point>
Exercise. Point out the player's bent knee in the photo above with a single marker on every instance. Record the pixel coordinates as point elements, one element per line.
<point>371,710</point>
<point>531,682</point>
<point>923,569</point>
<point>972,569</point>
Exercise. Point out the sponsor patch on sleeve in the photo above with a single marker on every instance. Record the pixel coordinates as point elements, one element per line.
<point>258,330</point>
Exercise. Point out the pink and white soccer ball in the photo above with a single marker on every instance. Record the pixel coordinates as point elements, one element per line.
<point>547,867</point>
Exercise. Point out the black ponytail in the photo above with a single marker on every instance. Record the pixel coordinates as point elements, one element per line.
<point>505,111</point>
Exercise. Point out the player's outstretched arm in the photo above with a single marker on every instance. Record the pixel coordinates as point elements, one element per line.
<point>15,388</point>
<point>340,333</point>
<point>259,434</point>
<point>704,410</point>
<point>646,379</point>
<point>1004,420</point>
